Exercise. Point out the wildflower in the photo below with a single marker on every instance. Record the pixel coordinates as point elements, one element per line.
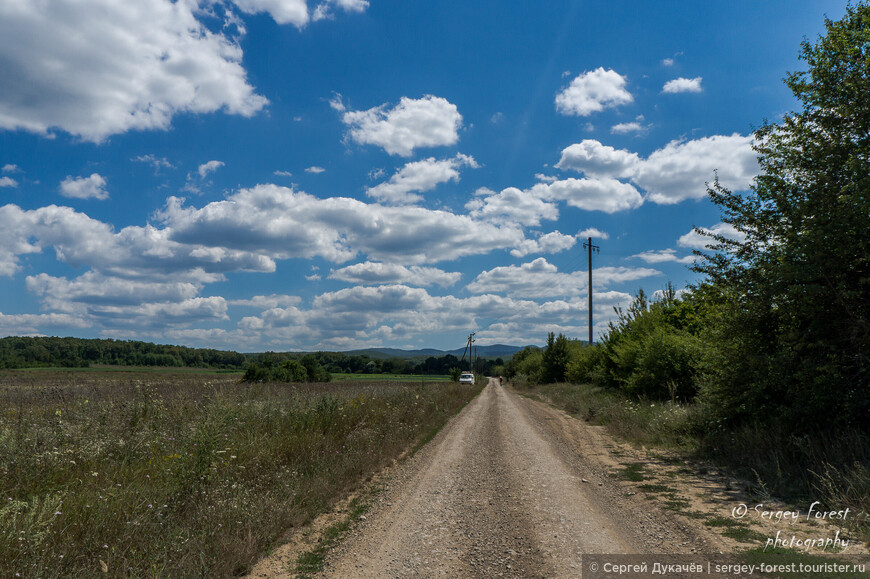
<point>105,546</point>
<point>150,506</point>
<point>58,513</point>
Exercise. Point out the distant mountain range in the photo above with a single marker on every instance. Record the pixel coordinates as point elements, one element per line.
<point>494,351</point>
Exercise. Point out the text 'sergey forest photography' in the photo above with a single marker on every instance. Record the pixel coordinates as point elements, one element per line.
<point>370,288</point>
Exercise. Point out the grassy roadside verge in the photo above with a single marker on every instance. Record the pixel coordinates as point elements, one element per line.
<point>169,475</point>
<point>798,471</point>
<point>311,561</point>
<point>666,426</point>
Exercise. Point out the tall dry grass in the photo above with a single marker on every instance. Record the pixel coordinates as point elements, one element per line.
<point>184,475</point>
<point>830,467</point>
<point>648,423</point>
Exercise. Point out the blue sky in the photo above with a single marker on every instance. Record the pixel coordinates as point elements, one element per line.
<point>292,175</point>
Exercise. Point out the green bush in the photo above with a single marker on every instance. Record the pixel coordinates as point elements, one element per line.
<point>291,370</point>
<point>554,360</point>
<point>584,360</point>
<point>529,366</point>
<point>659,365</point>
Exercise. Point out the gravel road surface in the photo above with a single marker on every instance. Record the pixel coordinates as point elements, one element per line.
<point>509,488</point>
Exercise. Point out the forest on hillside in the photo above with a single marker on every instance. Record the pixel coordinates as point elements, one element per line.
<point>35,352</point>
<point>47,352</point>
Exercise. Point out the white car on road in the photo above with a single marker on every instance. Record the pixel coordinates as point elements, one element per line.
<point>466,378</point>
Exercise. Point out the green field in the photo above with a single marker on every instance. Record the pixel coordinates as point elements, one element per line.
<point>160,474</point>
<point>132,369</point>
<point>389,377</point>
<point>337,377</point>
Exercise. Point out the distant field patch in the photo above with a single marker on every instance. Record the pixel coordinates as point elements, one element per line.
<point>390,377</point>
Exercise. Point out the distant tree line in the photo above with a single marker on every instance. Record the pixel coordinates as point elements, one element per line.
<point>33,352</point>
<point>319,366</point>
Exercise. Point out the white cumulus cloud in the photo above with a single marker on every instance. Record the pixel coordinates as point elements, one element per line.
<point>594,233</point>
<point>133,252</point>
<point>159,315</point>
<point>93,187</point>
<point>511,205</point>
<point>94,288</point>
<point>663,256</point>
<point>679,85</point>
<point>268,302</point>
<point>625,128</point>
<point>209,167</point>
<point>607,195</point>
<point>419,177</point>
<point>95,68</point>
<point>673,173</point>
<point>376,273</point>
<point>413,123</point>
<point>552,242</point>
<point>282,11</point>
<point>324,9</point>
<point>595,159</point>
<point>30,324</point>
<point>592,92</point>
<point>282,223</point>
<point>365,315</point>
<point>680,169</point>
<point>541,279</point>
<point>8,182</point>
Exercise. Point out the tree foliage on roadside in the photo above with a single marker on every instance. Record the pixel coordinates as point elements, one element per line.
<point>787,306</point>
<point>554,360</point>
<point>651,350</point>
<point>525,365</point>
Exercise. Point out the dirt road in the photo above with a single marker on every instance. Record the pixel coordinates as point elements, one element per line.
<point>511,488</point>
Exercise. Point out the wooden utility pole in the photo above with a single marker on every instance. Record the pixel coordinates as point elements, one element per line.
<point>469,348</point>
<point>588,245</point>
